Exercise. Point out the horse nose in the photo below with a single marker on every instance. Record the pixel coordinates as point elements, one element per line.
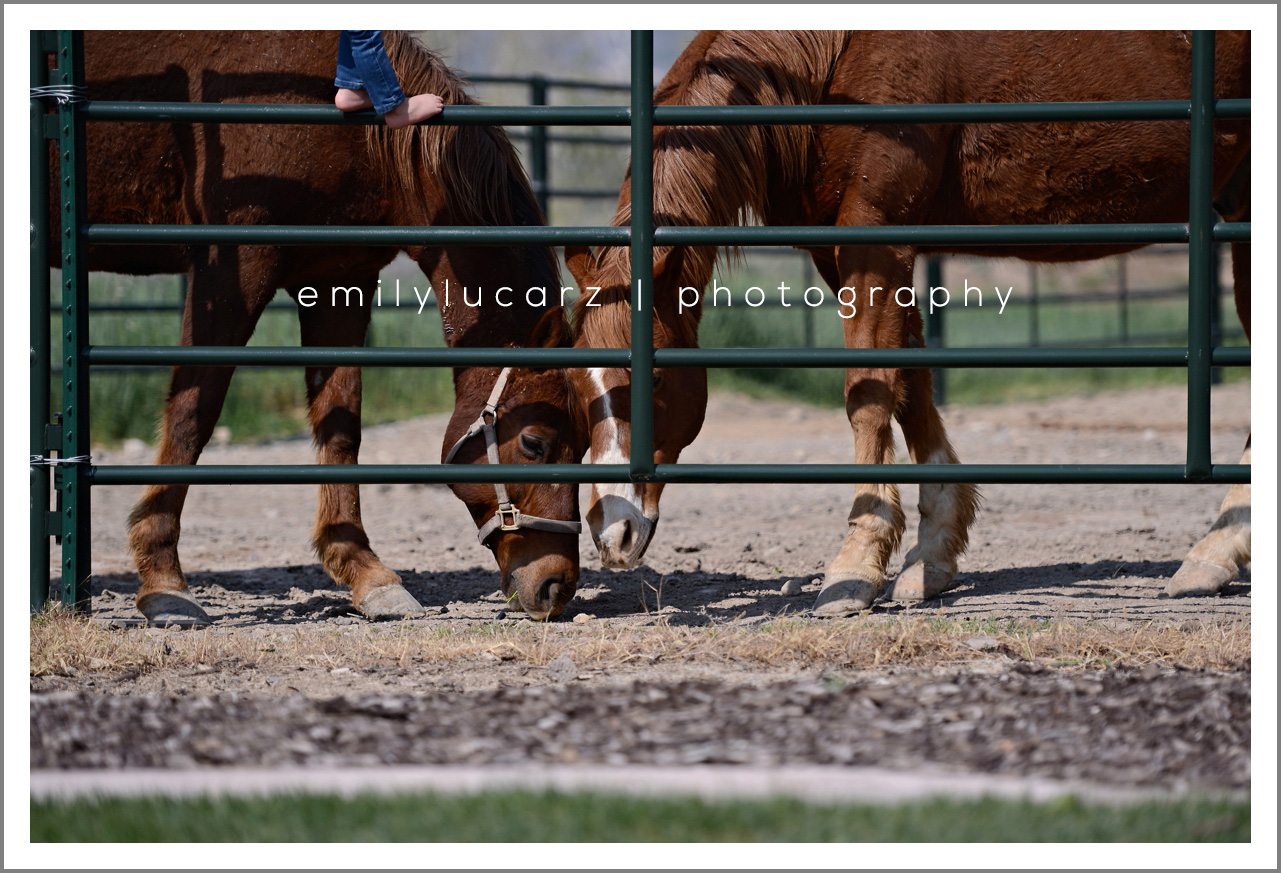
<point>620,535</point>
<point>548,599</point>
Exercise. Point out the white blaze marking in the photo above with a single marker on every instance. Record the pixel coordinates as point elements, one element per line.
<point>612,453</point>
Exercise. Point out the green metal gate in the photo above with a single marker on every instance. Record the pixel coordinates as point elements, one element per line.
<point>66,434</point>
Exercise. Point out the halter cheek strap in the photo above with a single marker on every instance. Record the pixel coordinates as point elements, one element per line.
<point>508,517</point>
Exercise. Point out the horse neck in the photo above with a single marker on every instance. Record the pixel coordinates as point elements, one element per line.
<point>484,271</point>
<point>726,174</point>
<point>732,174</point>
<point>499,195</point>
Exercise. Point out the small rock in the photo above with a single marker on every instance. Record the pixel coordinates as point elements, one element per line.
<point>221,436</point>
<point>562,668</point>
<point>981,644</point>
<point>583,618</point>
<point>489,657</point>
<point>791,588</point>
<point>98,664</point>
<point>338,671</point>
<point>133,446</point>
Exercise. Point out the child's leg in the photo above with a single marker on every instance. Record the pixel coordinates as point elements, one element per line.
<point>374,69</point>
<point>351,96</point>
<point>366,80</point>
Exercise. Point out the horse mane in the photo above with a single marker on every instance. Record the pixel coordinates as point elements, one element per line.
<point>483,179</point>
<point>719,174</point>
<point>476,165</point>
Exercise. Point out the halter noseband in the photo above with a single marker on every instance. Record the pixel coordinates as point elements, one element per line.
<point>508,517</point>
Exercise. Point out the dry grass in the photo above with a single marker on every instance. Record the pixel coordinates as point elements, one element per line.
<point>63,644</point>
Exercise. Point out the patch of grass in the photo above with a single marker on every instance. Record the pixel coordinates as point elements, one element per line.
<point>62,643</point>
<point>261,403</point>
<point>1070,323</point>
<point>514,816</point>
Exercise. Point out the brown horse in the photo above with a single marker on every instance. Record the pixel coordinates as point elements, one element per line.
<point>893,174</point>
<point>272,174</point>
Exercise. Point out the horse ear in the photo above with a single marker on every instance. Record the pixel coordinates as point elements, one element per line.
<point>551,331</point>
<point>669,261</point>
<point>578,258</point>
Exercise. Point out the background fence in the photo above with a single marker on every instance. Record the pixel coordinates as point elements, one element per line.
<point>67,436</point>
<point>1126,324</point>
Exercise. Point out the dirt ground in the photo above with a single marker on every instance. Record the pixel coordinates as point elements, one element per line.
<point>1026,720</point>
<point>288,663</point>
<point>722,552</point>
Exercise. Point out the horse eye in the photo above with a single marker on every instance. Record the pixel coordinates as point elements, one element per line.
<point>532,446</point>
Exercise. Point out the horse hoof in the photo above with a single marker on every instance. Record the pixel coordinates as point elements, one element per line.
<point>1199,579</point>
<point>845,597</point>
<point>920,581</point>
<point>173,609</point>
<point>389,602</point>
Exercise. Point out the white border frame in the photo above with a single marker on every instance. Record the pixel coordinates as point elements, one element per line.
<point>1262,19</point>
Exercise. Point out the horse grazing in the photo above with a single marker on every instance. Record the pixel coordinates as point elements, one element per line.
<point>894,174</point>
<point>296,174</point>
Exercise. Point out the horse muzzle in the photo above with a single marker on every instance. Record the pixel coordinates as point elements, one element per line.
<point>623,533</point>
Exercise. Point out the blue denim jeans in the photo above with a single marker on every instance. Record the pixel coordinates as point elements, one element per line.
<point>363,66</point>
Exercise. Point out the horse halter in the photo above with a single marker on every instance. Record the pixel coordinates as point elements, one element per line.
<point>508,517</point>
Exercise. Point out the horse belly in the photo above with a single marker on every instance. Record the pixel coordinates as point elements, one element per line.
<point>1083,172</point>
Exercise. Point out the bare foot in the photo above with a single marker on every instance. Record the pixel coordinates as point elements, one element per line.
<point>416,109</point>
<point>352,101</point>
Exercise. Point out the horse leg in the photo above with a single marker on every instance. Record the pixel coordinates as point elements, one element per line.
<point>948,509</point>
<point>1218,557</point>
<point>333,408</point>
<point>857,574</point>
<point>220,310</point>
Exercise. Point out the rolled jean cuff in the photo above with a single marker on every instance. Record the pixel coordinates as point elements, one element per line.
<point>389,101</point>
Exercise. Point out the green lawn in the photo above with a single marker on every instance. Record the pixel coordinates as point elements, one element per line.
<point>262,403</point>
<point>552,817</point>
<point>1079,324</point>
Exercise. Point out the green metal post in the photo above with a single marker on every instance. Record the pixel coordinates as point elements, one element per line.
<point>1216,310</point>
<point>1123,301</point>
<point>39,328</point>
<point>807,268</point>
<point>934,328</point>
<point>1034,283</point>
<point>75,328</point>
<point>642,252</point>
<point>1200,257</point>
<point>538,158</point>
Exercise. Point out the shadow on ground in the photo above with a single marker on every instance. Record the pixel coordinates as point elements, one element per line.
<point>300,593</point>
